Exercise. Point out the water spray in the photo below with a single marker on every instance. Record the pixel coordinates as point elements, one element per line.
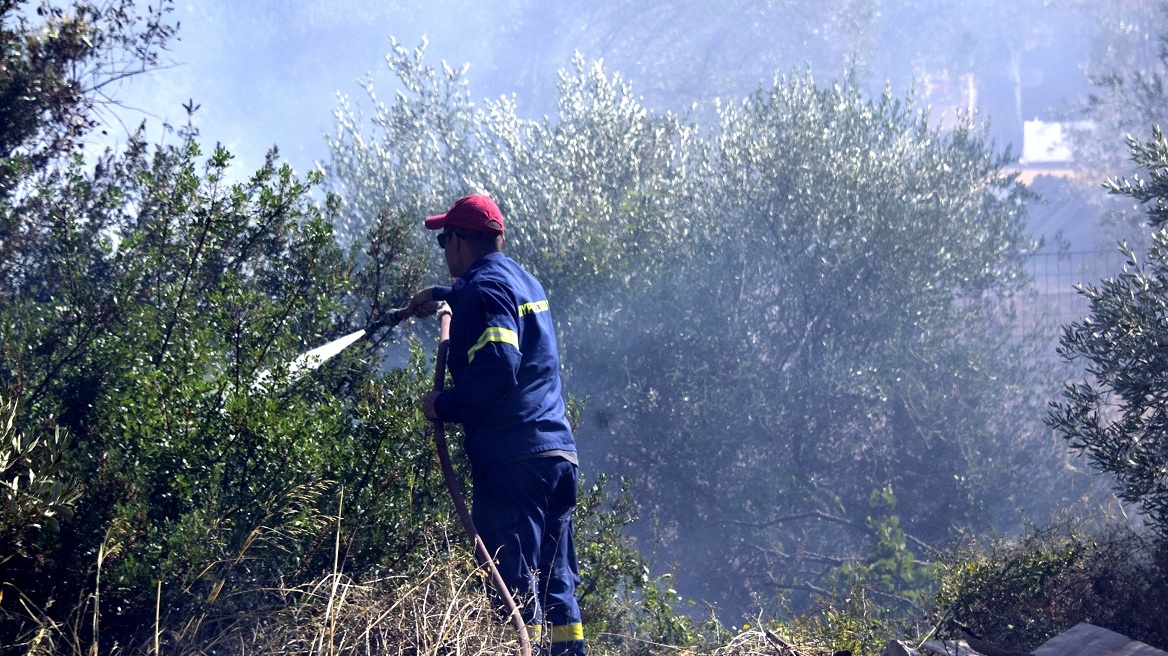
<point>306,362</point>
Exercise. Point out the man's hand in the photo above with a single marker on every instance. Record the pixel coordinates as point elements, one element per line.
<point>428,405</point>
<point>422,304</point>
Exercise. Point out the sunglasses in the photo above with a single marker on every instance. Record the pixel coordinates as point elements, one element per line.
<point>444,237</point>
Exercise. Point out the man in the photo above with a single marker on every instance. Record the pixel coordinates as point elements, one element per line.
<point>505,365</point>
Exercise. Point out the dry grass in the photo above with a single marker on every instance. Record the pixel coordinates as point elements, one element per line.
<point>748,642</point>
<point>442,610</point>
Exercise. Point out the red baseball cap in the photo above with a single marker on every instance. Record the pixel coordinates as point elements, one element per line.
<point>476,212</point>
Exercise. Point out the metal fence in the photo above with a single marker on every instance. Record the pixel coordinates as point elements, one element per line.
<point>1055,276</point>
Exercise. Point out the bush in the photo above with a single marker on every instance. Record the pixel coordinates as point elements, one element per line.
<point>1019,593</point>
<point>148,295</point>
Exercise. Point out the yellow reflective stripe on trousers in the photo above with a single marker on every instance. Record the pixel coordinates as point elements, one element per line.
<point>568,632</point>
<point>493,334</point>
<point>535,632</point>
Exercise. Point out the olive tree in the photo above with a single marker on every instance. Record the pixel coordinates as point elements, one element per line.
<point>1118,415</point>
<point>776,318</point>
<point>842,323</point>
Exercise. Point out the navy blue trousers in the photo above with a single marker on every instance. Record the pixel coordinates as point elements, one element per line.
<point>523,512</point>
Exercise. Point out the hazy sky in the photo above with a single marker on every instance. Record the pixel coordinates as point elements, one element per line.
<point>267,72</point>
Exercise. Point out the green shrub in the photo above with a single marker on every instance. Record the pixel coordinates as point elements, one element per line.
<point>153,292</point>
<point>1020,593</point>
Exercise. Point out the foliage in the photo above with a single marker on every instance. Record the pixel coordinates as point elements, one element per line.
<point>34,490</point>
<point>1019,593</point>
<point>902,583</point>
<point>140,301</point>
<point>56,69</point>
<point>1126,69</point>
<point>1118,416</point>
<point>846,334</point>
<point>856,621</point>
<point>772,316</point>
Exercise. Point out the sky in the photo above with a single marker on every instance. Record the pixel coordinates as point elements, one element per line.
<point>264,72</point>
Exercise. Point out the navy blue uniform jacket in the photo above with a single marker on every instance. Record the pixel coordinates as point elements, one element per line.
<point>505,365</point>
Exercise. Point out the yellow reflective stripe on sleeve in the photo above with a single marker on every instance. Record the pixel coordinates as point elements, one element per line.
<point>532,308</point>
<point>568,632</point>
<point>493,334</point>
<point>535,632</point>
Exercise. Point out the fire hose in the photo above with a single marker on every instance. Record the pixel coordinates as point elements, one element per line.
<point>312,359</point>
<point>480,549</point>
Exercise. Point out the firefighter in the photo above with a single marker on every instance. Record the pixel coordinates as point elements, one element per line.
<point>503,360</point>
